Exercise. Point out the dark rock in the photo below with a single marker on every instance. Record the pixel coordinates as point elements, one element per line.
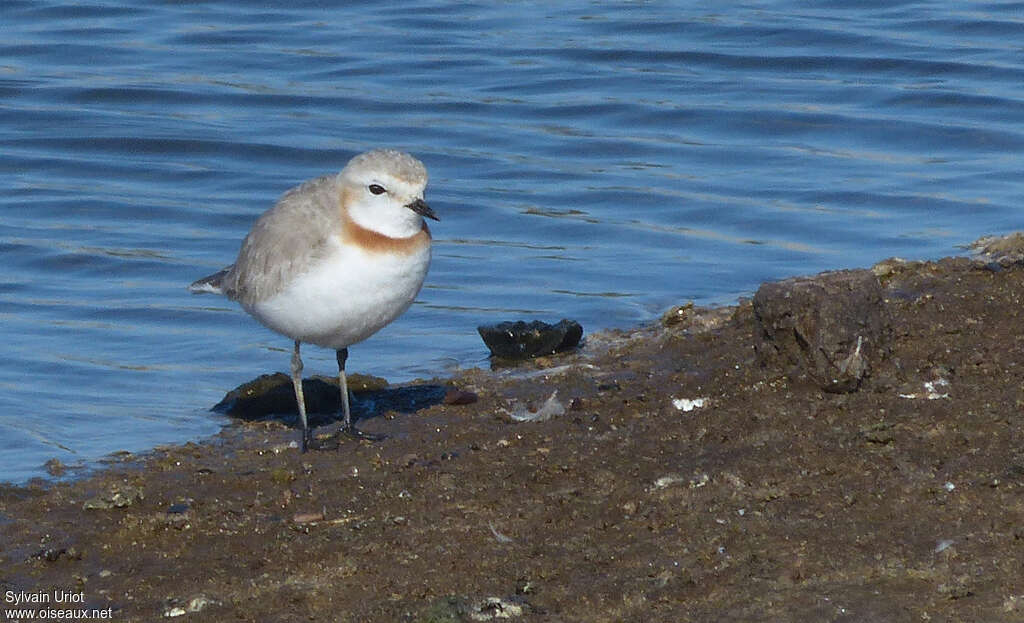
<point>830,327</point>
<point>523,340</point>
<point>273,395</point>
<point>459,397</point>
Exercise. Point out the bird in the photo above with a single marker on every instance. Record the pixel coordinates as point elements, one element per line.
<point>334,260</point>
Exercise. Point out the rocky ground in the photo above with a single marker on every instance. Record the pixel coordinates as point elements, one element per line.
<point>848,447</point>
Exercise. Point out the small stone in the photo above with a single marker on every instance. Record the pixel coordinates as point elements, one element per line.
<point>495,608</point>
<point>668,481</point>
<point>888,268</point>
<point>97,503</point>
<point>200,603</point>
<point>179,521</point>
<point>119,496</point>
<point>54,467</point>
<point>677,315</point>
<point>880,433</point>
<point>54,554</point>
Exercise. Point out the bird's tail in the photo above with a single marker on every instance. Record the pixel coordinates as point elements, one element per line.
<point>212,284</point>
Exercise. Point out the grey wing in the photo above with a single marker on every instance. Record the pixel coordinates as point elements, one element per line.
<point>284,242</point>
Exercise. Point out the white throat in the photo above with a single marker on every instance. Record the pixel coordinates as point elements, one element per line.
<point>393,221</point>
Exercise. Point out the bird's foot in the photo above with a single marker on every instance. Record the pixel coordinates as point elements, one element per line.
<point>360,435</point>
<point>319,443</point>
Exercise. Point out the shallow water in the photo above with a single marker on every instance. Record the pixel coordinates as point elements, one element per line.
<point>599,161</point>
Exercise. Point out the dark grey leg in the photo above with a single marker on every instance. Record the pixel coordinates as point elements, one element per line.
<point>299,398</point>
<point>348,427</point>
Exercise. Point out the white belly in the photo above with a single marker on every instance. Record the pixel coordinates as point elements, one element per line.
<point>345,298</point>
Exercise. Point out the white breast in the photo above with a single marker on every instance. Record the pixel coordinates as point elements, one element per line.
<point>346,297</point>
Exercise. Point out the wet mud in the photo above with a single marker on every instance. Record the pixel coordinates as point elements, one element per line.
<point>845,447</point>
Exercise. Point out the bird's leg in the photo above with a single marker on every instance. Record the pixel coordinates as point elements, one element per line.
<point>299,398</point>
<point>343,387</point>
<point>348,427</point>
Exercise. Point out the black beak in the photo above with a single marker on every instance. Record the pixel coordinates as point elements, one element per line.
<point>420,207</point>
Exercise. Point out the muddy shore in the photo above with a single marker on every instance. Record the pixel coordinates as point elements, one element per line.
<point>848,447</point>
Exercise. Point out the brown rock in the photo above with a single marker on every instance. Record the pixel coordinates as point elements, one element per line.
<point>456,396</point>
<point>831,327</point>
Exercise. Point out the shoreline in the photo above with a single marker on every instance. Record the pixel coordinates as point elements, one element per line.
<point>846,444</point>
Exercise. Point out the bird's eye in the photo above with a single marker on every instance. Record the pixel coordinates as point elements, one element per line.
<point>377,189</point>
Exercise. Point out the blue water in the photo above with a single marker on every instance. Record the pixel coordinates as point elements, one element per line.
<point>593,160</point>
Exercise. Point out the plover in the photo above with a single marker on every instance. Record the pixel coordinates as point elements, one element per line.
<point>335,260</point>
